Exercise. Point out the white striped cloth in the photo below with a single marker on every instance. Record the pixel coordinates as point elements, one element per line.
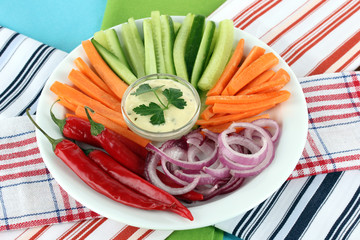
<point>313,37</point>
<point>325,206</point>
<point>25,65</point>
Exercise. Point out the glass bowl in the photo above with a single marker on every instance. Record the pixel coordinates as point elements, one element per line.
<point>141,124</point>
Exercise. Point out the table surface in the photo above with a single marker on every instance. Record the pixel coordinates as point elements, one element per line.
<point>60,24</point>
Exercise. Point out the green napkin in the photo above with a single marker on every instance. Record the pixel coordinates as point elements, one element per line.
<point>205,233</point>
<point>118,11</point>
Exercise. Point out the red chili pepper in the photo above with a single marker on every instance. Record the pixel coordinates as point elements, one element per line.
<point>80,130</point>
<point>126,152</point>
<point>133,181</point>
<point>73,156</point>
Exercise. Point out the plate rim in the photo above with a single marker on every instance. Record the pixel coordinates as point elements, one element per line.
<point>181,223</point>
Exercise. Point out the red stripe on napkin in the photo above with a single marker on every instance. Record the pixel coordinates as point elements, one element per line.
<point>125,232</point>
<point>255,14</point>
<point>348,62</point>
<point>17,144</point>
<point>91,228</point>
<point>37,172</point>
<point>296,22</point>
<point>39,233</point>
<point>71,230</point>
<point>22,164</point>
<point>20,154</point>
<point>147,233</point>
<point>300,47</point>
<point>242,14</point>
<point>336,55</point>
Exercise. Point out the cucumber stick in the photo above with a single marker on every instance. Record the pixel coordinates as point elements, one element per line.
<point>137,41</point>
<point>193,43</point>
<point>156,30</point>
<point>177,26</point>
<point>213,42</point>
<point>204,49</point>
<point>168,38</point>
<point>110,40</point>
<point>100,37</point>
<point>150,58</point>
<point>114,46</point>
<point>114,63</point>
<point>135,53</point>
<point>220,56</point>
<point>179,46</point>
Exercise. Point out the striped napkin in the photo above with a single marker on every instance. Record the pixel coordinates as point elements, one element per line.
<point>313,36</point>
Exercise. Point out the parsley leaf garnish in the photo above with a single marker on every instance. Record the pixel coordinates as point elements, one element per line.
<point>172,95</point>
<point>153,109</point>
<point>144,88</point>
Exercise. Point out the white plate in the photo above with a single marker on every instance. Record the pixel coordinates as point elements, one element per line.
<point>292,116</point>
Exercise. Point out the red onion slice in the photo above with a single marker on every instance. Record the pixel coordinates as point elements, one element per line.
<point>246,159</point>
<point>266,122</point>
<point>151,175</point>
<point>190,165</point>
<point>212,163</point>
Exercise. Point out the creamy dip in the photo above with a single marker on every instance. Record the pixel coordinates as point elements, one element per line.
<point>175,118</point>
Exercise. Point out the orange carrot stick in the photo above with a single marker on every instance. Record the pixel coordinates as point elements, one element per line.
<point>269,86</point>
<point>207,113</point>
<point>254,54</point>
<point>262,78</point>
<point>222,127</point>
<point>87,71</point>
<point>253,98</point>
<point>78,98</point>
<point>229,70</point>
<point>105,72</point>
<point>229,117</point>
<point>67,115</point>
<point>67,104</point>
<point>80,112</point>
<point>239,108</point>
<point>93,91</point>
<point>257,67</point>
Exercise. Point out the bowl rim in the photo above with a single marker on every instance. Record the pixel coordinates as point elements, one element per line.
<point>155,136</point>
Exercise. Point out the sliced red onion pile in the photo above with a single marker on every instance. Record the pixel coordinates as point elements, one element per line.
<point>212,163</point>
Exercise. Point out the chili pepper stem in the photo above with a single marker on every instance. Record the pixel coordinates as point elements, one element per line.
<point>96,128</point>
<point>59,122</point>
<point>53,141</point>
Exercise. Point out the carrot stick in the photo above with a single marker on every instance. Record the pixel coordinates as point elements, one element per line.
<point>229,70</point>
<point>253,98</point>
<point>269,86</point>
<point>110,78</point>
<point>257,67</point>
<point>264,77</point>
<point>93,91</point>
<point>67,104</point>
<point>87,71</point>
<point>207,113</point>
<point>244,107</point>
<point>78,98</point>
<point>254,54</point>
<point>80,112</point>
<point>67,115</point>
<point>222,127</point>
<point>281,72</point>
<point>229,117</point>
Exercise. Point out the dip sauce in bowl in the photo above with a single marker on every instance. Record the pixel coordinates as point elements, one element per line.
<point>161,107</point>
